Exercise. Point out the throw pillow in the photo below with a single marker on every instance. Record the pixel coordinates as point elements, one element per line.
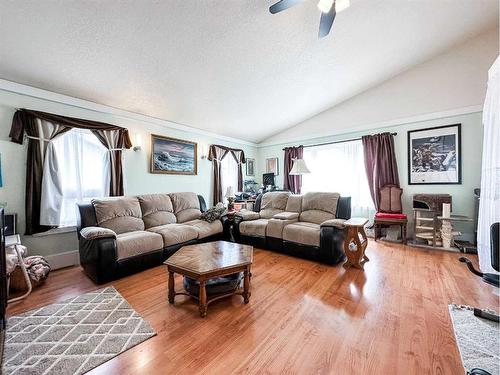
<point>213,213</point>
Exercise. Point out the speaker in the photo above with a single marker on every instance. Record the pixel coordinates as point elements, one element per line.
<point>10,224</point>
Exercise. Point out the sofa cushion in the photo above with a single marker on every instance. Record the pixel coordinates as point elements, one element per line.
<point>186,206</point>
<point>120,214</point>
<point>156,209</point>
<point>174,234</point>
<point>286,215</point>
<point>254,227</point>
<point>319,207</point>
<point>294,203</point>
<point>137,243</point>
<point>302,233</point>
<point>248,215</point>
<point>206,229</point>
<point>273,203</point>
<point>275,227</point>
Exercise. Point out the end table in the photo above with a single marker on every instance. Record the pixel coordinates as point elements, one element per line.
<point>355,243</point>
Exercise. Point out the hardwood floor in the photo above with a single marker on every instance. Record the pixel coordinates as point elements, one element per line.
<point>303,317</point>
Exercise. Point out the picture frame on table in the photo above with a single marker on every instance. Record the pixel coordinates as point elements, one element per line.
<point>173,156</point>
<point>435,156</point>
<point>272,166</point>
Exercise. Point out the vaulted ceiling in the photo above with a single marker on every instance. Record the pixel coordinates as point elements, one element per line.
<point>225,66</point>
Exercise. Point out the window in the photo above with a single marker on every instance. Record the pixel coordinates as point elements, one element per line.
<point>76,169</point>
<point>339,168</point>
<point>229,174</point>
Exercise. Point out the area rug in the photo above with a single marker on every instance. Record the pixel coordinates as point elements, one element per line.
<point>477,339</point>
<point>74,336</point>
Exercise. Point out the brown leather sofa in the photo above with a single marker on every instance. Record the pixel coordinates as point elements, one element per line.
<point>309,225</point>
<point>123,235</point>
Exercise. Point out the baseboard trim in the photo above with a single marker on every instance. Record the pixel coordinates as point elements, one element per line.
<point>66,259</point>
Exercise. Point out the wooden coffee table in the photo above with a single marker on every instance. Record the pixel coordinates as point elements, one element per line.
<point>205,261</point>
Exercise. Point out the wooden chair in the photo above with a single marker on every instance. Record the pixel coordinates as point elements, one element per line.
<point>390,211</point>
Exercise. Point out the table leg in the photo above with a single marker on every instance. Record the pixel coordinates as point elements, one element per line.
<point>171,287</point>
<point>203,299</point>
<point>246,286</point>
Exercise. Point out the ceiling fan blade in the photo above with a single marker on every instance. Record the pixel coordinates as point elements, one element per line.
<point>283,5</point>
<point>326,22</point>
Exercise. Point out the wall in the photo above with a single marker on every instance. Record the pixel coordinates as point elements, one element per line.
<point>454,80</point>
<point>138,180</point>
<point>472,133</point>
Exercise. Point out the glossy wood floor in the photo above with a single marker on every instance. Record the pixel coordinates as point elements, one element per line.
<point>303,317</point>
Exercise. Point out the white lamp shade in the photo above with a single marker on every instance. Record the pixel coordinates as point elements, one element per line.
<point>340,5</point>
<point>299,167</point>
<point>229,192</point>
<point>325,5</point>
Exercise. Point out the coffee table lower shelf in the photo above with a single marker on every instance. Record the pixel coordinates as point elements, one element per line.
<point>203,298</point>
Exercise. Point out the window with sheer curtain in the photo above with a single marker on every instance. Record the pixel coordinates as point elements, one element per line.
<point>229,174</point>
<point>77,171</point>
<point>339,168</point>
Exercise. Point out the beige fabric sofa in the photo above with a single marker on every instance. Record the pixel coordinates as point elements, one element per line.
<point>121,235</point>
<point>309,225</point>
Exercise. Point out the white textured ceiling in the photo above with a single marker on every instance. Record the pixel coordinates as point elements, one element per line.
<point>226,66</point>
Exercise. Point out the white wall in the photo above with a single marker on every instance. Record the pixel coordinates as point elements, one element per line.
<point>455,79</point>
<point>138,180</point>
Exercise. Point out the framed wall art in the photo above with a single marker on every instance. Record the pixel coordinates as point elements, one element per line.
<point>435,155</point>
<point>250,167</point>
<point>272,166</point>
<point>173,156</point>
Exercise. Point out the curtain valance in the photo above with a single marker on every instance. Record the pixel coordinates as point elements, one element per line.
<point>26,117</point>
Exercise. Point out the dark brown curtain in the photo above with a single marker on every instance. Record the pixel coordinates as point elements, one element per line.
<point>380,163</point>
<point>39,133</point>
<point>292,183</point>
<point>215,155</point>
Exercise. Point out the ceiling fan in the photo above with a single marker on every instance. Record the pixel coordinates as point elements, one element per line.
<point>329,9</point>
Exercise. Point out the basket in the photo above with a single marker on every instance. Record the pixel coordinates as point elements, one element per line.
<point>17,282</point>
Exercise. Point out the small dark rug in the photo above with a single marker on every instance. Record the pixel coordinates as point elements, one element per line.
<point>73,336</point>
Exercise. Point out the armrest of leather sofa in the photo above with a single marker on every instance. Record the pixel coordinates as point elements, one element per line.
<point>247,215</point>
<point>97,248</point>
<point>336,223</point>
<point>92,233</point>
<point>287,216</point>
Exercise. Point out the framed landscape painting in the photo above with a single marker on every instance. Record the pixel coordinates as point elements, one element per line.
<point>435,156</point>
<point>272,166</point>
<point>173,156</point>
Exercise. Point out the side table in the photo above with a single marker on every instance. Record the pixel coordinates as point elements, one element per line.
<point>355,243</point>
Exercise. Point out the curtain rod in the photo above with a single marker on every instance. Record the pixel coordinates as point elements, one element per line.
<point>335,142</point>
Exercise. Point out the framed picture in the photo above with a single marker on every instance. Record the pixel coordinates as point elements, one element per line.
<point>435,156</point>
<point>272,166</point>
<point>250,164</point>
<point>173,156</point>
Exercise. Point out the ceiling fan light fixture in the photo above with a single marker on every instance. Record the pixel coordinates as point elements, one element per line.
<point>325,5</point>
<point>341,5</point>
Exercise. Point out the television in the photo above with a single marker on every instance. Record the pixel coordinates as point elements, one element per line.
<point>268,179</point>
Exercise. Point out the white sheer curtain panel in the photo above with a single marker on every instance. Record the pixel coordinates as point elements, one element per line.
<point>489,204</point>
<point>339,168</point>
<point>229,174</point>
<point>76,169</point>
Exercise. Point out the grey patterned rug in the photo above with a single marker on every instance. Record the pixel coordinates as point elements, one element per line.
<point>477,339</point>
<point>73,336</point>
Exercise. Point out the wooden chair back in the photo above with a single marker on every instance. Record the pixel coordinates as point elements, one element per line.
<point>390,199</point>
